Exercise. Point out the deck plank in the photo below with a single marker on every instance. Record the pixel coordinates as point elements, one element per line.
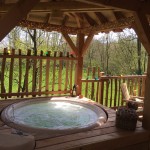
<point>73,137</point>
<point>107,141</point>
<point>107,129</point>
<point>106,136</point>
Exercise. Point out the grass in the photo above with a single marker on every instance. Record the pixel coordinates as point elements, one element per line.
<point>90,94</point>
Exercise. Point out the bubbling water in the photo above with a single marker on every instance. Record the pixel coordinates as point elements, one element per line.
<point>54,115</point>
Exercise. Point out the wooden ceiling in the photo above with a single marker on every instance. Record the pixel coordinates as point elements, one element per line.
<point>73,16</point>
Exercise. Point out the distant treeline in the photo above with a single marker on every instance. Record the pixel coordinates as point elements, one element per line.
<point>115,53</point>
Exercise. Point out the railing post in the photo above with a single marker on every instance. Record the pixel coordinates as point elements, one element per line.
<point>2,73</point>
<point>101,85</point>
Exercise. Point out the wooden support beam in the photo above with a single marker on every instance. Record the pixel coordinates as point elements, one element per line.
<point>142,28</point>
<point>15,15</point>
<point>119,15</point>
<point>123,4</point>
<point>77,20</point>
<point>146,112</point>
<point>48,18</point>
<point>70,43</point>
<point>87,43</point>
<point>65,6</point>
<point>129,5</point>
<point>85,6</point>
<point>101,17</point>
<point>80,43</point>
<point>95,17</point>
<point>65,19</point>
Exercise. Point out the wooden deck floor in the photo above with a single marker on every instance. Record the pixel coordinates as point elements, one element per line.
<point>106,137</point>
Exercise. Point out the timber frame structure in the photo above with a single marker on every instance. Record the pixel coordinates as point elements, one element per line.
<point>83,18</point>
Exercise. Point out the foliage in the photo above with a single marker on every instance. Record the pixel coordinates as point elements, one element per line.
<point>117,55</point>
<point>114,53</point>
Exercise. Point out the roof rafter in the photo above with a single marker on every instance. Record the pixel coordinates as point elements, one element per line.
<point>96,18</point>
<point>105,27</point>
<point>65,20</point>
<point>90,20</point>
<point>101,17</point>
<point>109,15</point>
<point>77,20</point>
<point>119,15</point>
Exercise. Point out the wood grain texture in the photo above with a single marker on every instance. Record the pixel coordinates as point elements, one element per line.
<point>105,137</point>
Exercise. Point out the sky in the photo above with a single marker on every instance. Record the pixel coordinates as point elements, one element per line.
<point>114,34</point>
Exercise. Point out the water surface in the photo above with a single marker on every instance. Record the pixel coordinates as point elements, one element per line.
<point>54,115</point>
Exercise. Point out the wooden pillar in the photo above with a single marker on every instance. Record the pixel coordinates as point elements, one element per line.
<point>79,49</point>
<point>79,68</point>
<point>146,113</point>
<point>142,29</point>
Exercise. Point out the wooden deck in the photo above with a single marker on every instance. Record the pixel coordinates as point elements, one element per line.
<point>106,137</point>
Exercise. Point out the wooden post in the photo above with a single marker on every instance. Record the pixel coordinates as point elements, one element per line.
<point>146,113</point>
<point>20,72</point>
<point>40,73</point>
<point>79,51</point>
<point>11,72</point>
<point>28,66</point>
<point>82,47</point>
<point>47,72</point>
<point>101,85</point>
<point>142,29</point>
<point>3,72</point>
<point>80,43</point>
<point>79,74</point>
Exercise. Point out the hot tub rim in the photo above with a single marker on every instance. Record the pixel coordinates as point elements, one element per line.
<point>30,129</point>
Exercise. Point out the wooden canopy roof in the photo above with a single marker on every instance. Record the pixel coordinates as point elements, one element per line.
<point>86,17</point>
<point>73,16</point>
<point>77,16</point>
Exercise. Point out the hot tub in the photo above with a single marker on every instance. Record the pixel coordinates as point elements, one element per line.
<point>53,115</point>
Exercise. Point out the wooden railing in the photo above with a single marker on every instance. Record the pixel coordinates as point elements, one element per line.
<point>24,75</point>
<point>27,75</point>
<point>106,89</point>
